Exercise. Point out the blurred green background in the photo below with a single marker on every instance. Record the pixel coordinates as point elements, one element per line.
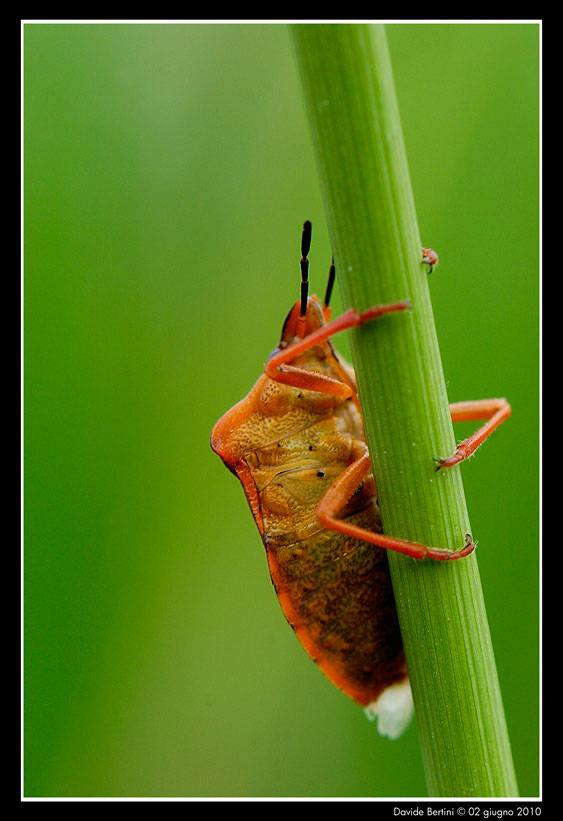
<point>167,173</point>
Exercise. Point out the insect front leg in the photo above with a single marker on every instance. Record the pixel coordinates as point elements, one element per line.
<point>495,411</point>
<point>278,369</point>
<point>340,492</point>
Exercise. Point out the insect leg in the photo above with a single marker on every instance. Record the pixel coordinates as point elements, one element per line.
<point>342,489</point>
<point>277,369</point>
<point>430,258</point>
<point>495,411</point>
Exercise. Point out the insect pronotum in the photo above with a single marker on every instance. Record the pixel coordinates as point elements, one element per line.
<point>297,444</point>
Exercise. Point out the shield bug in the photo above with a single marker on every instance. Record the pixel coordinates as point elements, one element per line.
<point>297,444</point>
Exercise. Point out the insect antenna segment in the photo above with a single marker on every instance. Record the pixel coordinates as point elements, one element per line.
<point>305,248</point>
<point>330,284</point>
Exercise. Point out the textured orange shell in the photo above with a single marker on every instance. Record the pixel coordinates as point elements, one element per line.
<point>287,445</point>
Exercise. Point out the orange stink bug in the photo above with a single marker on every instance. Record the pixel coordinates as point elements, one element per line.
<point>297,444</point>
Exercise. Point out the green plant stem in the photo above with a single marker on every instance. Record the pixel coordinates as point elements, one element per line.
<point>350,100</point>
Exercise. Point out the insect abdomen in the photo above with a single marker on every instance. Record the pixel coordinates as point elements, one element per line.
<point>336,593</point>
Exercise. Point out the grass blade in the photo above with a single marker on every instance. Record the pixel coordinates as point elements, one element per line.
<point>350,100</point>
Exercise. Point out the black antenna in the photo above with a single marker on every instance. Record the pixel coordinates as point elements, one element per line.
<point>330,283</point>
<point>305,248</point>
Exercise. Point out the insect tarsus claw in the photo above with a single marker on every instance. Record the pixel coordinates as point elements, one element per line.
<point>468,548</point>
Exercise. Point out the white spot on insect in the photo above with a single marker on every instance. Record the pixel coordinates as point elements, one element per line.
<point>393,709</point>
<point>350,268</point>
